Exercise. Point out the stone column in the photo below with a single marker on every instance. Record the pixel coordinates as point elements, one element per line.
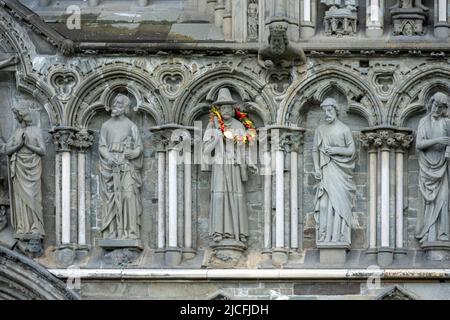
<point>210,9</point>
<point>219,11</point>
<point>441,20</point>
<point>44,3</point>
<point>386,139</point>
<point>295,146</point>
<point>83,140</point>
<point>94,3</point>
<point>161,156</point>
<point>403,141</point>
<point>173,252</point>
<point>172,141</point>
<point>143,3</point>
<point>63,137</point>
<point>227,21</point>
<point>285,140</point>
<point>368,141</point>
<point>374,18</point>
<point>308,16</point>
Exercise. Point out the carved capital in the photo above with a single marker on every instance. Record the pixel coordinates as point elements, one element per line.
<point>386,138</point>
<point>285,138</point>
<point>63,138</point>
<point>173,136</point>
<point>83,140</point>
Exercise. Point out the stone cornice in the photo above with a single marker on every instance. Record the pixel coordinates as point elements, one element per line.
<point>249,274</point>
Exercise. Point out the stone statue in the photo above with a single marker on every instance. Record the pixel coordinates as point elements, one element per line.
<point>121,160</point>
<point>433,141</point>
<point>333,156</point>
<point>408,4</point>
<point>228,212</point>
<point>25,149</point>
<point>279,52</point>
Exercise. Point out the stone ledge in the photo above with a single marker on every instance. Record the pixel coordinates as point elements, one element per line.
<point>249,274</point>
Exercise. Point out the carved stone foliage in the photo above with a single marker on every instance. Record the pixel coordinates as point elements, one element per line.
<point>387,138</point>
<point>340,19</point>
<point>171,78</point>
<point>63,138</point>
<point>83,140</point>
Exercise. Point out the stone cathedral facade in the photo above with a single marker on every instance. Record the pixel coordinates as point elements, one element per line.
<point>329,119</point>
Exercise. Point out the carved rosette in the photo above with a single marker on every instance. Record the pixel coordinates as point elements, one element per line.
<point>387,138</point>
<point>83,140</point>
<point>63,138</point>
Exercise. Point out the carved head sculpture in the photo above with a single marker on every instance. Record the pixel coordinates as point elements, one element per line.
<point>438,105</point>
<point>23,116</point>
<point>119,105</point>
<point>330,107</point>
<point>278,39</point>
<point>225,104</point>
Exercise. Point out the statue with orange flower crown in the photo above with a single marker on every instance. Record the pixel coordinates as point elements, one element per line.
<point>224,149</point>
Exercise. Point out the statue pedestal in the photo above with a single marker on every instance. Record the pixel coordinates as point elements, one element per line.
<point>111,244</point>
<point>189,254</point>
<point>173,257</point>
<point>279,256</point>
<point>371,254</point>
<point>408,21</point>
<point>385,256</point>
<point>333,253</point>
<point>65,255</point>
<point>227,252</point>
<point>437,250</point>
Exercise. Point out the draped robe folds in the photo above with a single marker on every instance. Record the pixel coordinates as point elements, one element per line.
<point>25,172</point>
<point>334,196</point>
<point>433,180</point>
<point>228,211</point>
<point>121,184</point>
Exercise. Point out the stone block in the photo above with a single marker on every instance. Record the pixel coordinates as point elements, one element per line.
<point>327,288</point>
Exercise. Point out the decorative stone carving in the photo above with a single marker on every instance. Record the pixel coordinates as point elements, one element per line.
<point>8,62</point>
<point>25,149</point>
<point>64,81</point>
<point>224,144</point>
<point>279,52</point>
<point>333,155</point>
<point>63,138</point>
<point>340,19</point>
<point>252,21</point>
<point>433,146</point>
<point>121,159</point>
<point>83,140</point>
<point>408,18</point>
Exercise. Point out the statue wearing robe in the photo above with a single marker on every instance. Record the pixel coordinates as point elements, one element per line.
<point>333,154</point>
<point>25,149</point>
<point>432,142</point>
<point>121,160</point>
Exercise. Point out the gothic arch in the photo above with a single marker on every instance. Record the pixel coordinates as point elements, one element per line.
<point>95,92</point>
<point>14,38</point>
<point>360,98</point>
<point>23,279</point>
<point>413,94</point>
<point>203,90</point>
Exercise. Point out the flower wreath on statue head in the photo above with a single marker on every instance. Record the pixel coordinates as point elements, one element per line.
<point>250,135</point>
